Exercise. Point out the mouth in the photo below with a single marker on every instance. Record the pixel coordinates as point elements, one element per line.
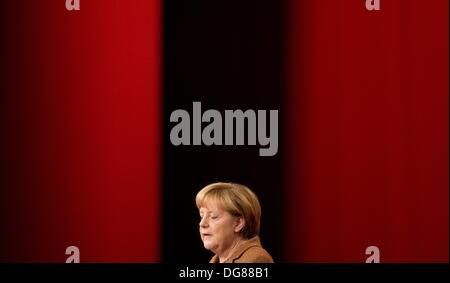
<point>204,235</point>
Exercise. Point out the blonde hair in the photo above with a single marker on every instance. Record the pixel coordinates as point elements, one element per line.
<point>238,200</point>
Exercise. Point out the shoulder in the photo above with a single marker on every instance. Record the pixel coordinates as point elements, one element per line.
<point>254,255</point>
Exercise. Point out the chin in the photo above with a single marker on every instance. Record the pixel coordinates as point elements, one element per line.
<point>207,245</point>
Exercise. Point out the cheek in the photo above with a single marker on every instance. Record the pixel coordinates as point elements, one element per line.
<point>216,230</point>
<point>223,230</point>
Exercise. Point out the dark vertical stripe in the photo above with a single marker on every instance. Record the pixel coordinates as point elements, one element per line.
<point>226,54</point>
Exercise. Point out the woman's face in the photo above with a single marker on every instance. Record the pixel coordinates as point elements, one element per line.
<point>218,228</point>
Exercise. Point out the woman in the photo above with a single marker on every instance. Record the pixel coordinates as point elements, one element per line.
<point>229,223</point>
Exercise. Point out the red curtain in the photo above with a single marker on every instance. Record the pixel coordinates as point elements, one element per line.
<point>89,107</point>
<point>367,131</point>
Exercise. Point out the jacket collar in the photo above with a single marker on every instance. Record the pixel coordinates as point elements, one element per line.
<point>239,250</point>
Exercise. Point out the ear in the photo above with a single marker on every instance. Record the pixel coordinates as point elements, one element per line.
<point>240,224</point>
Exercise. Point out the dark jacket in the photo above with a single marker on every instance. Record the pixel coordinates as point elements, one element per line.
<point>247,251</point>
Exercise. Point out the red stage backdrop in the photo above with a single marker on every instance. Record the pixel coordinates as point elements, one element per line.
<point>368,131</point>
<point>364,102</point>
<point>86,98</point>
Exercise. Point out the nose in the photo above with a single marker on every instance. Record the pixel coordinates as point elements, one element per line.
<point>203,222</point>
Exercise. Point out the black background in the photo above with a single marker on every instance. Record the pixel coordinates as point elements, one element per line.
<point>227,55</point>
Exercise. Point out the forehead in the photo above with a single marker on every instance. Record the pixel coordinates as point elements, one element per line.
<point>211,205</point>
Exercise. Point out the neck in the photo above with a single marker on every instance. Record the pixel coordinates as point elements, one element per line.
<point>226,254</point>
